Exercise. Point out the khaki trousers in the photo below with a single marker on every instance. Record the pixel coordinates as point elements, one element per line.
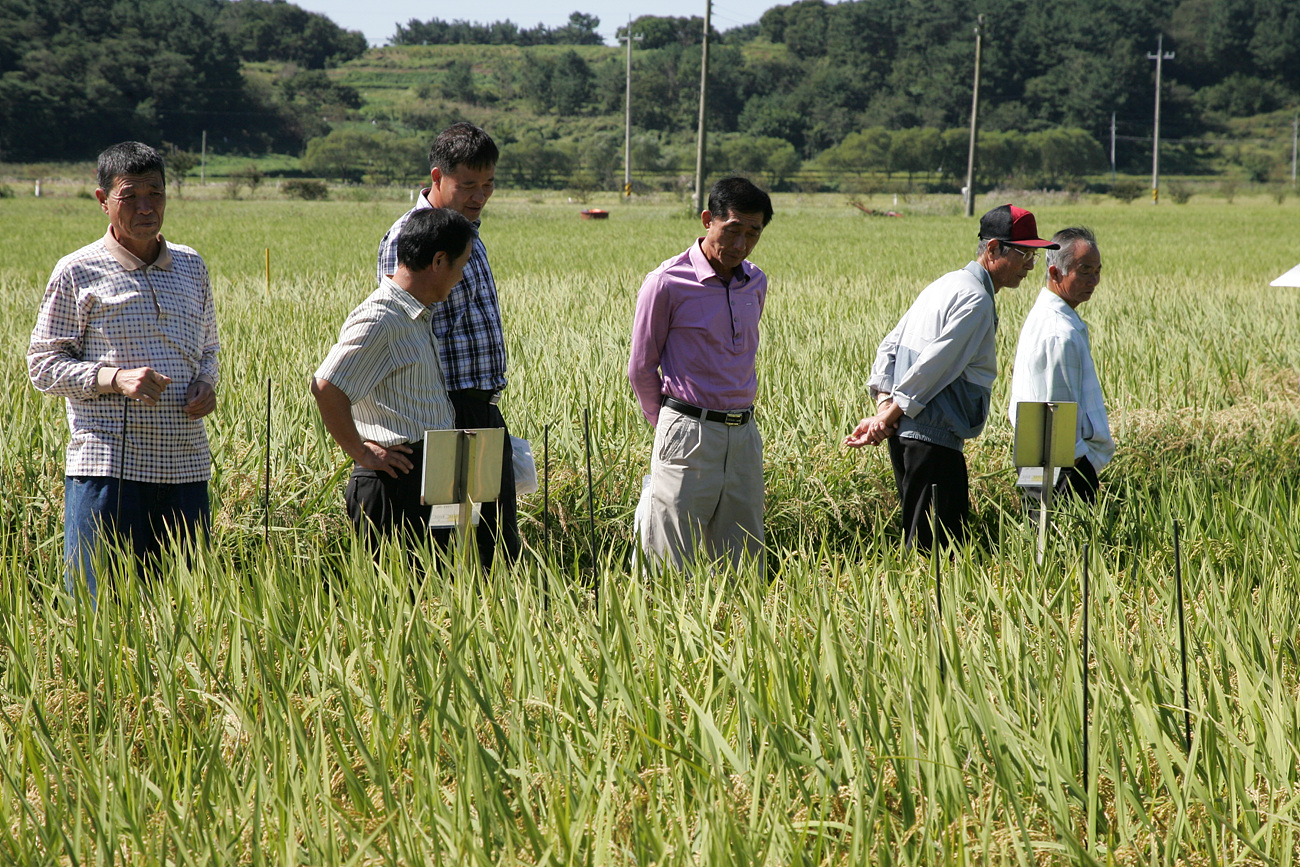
<point>706,491</point>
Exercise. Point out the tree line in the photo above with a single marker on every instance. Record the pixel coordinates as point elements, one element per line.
<point>581,30</point>
<point>813,72</point>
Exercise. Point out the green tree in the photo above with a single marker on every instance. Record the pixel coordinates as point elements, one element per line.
<point>571,83</point>
<point>915,150</point>
<point>772,159</point>
<point>532,162</point>
<point>374,156</point>
<point>179,163</point>
<point>458,82</point>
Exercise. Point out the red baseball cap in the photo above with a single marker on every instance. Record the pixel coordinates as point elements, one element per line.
<point>1013,225</point>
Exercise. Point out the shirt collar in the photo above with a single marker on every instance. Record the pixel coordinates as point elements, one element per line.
<point>410,306</point>
<point>983,275</point>
<point>1057,304</point>
<point>703,270</point>
<point>132,262</point>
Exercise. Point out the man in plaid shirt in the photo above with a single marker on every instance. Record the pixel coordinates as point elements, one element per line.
<point>1054,359</point>
<point>462,172</point>
<point>127,334</point>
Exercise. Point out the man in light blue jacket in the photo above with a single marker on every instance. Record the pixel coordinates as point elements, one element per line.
<point>933,376</point>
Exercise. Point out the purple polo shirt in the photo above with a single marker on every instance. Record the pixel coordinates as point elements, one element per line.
<point>694,337</point>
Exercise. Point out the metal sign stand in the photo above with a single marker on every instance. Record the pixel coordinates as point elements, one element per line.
<point>461,468</point>
<point>1045,434</point>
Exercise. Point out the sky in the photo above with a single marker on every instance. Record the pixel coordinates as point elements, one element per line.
<point>378,19</point>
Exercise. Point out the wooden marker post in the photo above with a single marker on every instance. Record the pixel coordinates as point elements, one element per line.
<point>1049,481</point>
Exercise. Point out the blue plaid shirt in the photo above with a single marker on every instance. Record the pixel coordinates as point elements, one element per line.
<point>468,323</point>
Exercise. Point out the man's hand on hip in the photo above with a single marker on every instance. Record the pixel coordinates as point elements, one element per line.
<point>388,460</point>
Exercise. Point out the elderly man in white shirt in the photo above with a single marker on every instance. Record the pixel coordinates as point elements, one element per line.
<point>1054,358</point>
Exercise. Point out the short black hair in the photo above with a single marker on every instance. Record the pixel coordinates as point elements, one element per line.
<point>739,196</point>
<point>462,144</point>
<point>128,158</point>
<point>430,231</point>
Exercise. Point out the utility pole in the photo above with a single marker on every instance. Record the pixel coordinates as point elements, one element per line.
<point>1112,148</point>
<point>704,107</point>
<point>203,160</point>
<point>974,114</point>
<point>1159,57</point>
<point>627,101</point>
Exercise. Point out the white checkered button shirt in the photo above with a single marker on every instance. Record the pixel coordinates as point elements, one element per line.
<point>468,323</point>
<point>386,362</point>
<point>1054,362</point>
<point>104,308</point>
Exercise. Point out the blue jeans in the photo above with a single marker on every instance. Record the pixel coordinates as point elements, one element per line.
<point>150,511</point>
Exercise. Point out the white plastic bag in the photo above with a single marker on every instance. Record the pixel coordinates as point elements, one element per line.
<point>525,466</point>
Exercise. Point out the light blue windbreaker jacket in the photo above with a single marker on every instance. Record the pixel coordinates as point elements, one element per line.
<point>940,361</point>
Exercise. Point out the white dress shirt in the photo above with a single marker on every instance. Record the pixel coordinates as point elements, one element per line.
<point>1054,362</point>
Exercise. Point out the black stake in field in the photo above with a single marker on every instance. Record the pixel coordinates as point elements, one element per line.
<point>591,504</point>
<point>121,468</point>
<point>266,491</point>
<point>546,489</point>
<point>1182,639</point>
<point>546,515</point>
<point>938,586</point>
<point>1085,674</point>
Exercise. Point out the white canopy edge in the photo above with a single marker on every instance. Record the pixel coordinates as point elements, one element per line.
<point>1290,278</point>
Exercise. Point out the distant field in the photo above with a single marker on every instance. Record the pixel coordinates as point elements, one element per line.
<point>294,704</point>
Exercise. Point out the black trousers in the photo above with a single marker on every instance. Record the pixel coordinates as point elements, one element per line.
<point>499,521</point>
<point>379,504</point>
<point>917,466</point>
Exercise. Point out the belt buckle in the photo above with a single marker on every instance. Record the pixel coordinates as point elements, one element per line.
<point>734,419</point>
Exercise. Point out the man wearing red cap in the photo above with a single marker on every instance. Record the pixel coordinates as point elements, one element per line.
<point>933,377</point>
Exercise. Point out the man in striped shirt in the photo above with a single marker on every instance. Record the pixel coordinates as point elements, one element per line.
<point>381,386</point>
<point>1054,359</point>
<point>462,174</point>
<point>127,334</point>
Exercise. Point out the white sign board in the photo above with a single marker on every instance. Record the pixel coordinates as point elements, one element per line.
<point>1290,278</point>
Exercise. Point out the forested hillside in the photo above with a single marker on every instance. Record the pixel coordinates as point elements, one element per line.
<point>76,74</point>
<point>826,95</point>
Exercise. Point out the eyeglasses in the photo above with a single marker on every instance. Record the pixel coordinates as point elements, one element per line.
<point>1026,254</point>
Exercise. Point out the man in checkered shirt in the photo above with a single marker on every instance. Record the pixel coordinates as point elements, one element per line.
<point>462,175</point>
<point>1054,360</point>
<point>127,334</point>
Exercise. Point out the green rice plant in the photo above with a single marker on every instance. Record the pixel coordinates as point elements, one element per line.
<point>297,702</point>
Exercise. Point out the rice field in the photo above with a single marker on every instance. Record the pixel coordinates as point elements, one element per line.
<point>277,698</point>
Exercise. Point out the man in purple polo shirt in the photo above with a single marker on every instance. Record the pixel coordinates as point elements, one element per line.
<point>694,338</point>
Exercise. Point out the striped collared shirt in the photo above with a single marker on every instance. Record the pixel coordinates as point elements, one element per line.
<point>386,362</point>
<point>1054,362</point>
<point>106,309</point>
<point>468,323</point>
